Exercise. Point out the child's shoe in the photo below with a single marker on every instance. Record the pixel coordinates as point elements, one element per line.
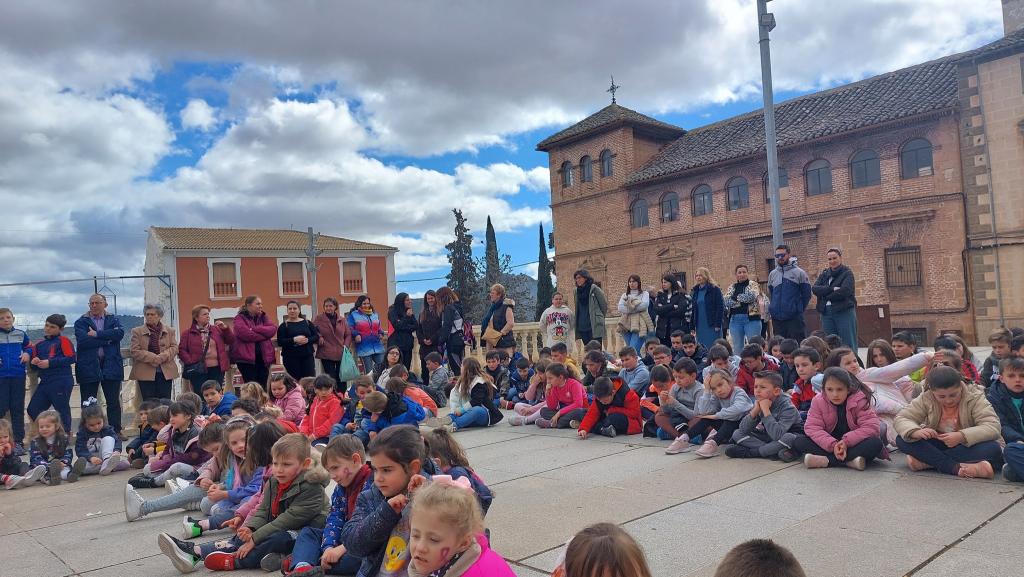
<point>450,427</point>
<point>53,472</point>
<point>272,562</point>
<point>857,464</point>
<point>438,422</point>
<point>574,424</point>
<point>1009,474</point>
<point>609,431</point>
<point>517,420</point>
<point>220,561</point>
<point>545,423</point>
<point>980,470</point>
<point>916,465</point>
<point>141,481</point>
<point>812,461</point>
<point>680,444</point>
<point>132,504</point>
<point>708,449</point>
<point>76,470</point>
<point>190,528</point>
<point>181,553</point>
<point>18,450</point>
<point>788,455</point>
<point>110,464</point>
<point>307,571</point>
<point>173,485</point>
<point>739,452</point>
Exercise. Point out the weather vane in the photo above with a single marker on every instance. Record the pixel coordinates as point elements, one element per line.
<point>613,88</point>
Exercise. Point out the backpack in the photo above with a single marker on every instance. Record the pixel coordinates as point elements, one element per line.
<point>467,333</point>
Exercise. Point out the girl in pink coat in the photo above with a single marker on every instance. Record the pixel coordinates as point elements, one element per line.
<point>842,429</point>
<point>287,396</point>
<point>447,533</point>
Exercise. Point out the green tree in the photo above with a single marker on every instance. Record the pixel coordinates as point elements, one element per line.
<point>492,262</point>
<point>545,290</point>
<point>463,278</point>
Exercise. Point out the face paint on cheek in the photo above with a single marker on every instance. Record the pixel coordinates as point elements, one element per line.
<point>444,553</point>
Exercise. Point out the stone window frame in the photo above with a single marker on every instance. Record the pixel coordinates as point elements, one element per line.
<point>607,163</point>
<point>638,218</point>
<point>673,199</point>
<point>918,151</point>
<point>566,172</point>
<point>586,169</point>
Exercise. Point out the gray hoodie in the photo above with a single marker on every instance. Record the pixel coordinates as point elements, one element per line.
<point>683,401</point>
<point>730,409</point>
<point>783,416</point>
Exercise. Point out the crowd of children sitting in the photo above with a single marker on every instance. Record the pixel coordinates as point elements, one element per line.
<point>407,502</point>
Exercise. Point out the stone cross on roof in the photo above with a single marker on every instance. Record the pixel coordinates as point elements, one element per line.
<point>612,89</point>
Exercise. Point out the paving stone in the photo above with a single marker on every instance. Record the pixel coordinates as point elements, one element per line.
<point>1002,534</point>
<point>496,434</point>
<point>537,454</point>
<point>521,571</point>
<point>157,566</point>
<point>39,509</point>
<point>960,561</point>
<point>31,558</point>
<point>7,525</point>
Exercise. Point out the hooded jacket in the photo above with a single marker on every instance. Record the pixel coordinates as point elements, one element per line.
<point>1010,419</point>
<point>732,408</point>
<point>624,402</point>
<point>292,405</point>
<point>323,414</point>
<point>367,328</point>
<point>400,410</point>
<point>835,290</point>
<point>343,504</point>
<point>13,343</point>
<point>252,333</point>
<point>88,368</point>
<point>789,289</point>
<point>978,420</point>
<point>302,504</point>
<point>190,350</point>
<point>860,417</point>
<point>477,561</point>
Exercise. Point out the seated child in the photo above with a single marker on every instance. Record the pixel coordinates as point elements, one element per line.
<point>147,434</point>
<point>52,449</point>
<point>217,401</point>
<point>527,411</point>
<point>518,382</point>
<point>808,383</point>
<point>412,393</point>
<point>841,427</point>
<point>452,460</point>
<point>286,395</point>
<point>634,373</point>
<point>471,400</point>
<point>595,365</point>
<point>719,411</point>
<point>295,499</point>
<point>662,355</point>
<point>560,354</point>
<point>967,368</point>
<point>620,554</point>
<point>158,419</point>
<point>649,345</point>
<point>545,353</point>
<point>497,372</point>
<point>774,346</point>
<point>182,453</point>
<point>352,417</point>
<point>753,361</point>
<point>274,414</point>
<point>323,413</point>
<point>615,410</point>
<point>245,407</point>
<point>1007,398</point>
<point>686,345</point>
<point>257,393</point>
<point>345,460</point>
<point>719,358</point>
<point>97,444</point>
<point>950,427</point>
<point>14,474</point>
<point>999,340</point>
<point>661,382</point>
<point>904,346</point>
<point>564,400</point>
<point>400,409</point>
<point>786,366</point>
<point>439,379</point>
<point>759,558</point>
<point>762,432</point>
<point>679,405</point>
<point>446,533</point>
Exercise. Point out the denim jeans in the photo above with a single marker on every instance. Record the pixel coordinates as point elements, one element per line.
<point>370,362</point>
<point>741,328</point>
<point>475,417</point>
<point>947,460</point>
<point>1014,456</point>
<point>635,340</point>
<point>279,542</point>
<point>842,323</point>
<point>308,550</point>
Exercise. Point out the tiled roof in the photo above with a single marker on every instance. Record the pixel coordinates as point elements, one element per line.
<point>253,239</point>
<point>927,87</point>
<point>607,116</point>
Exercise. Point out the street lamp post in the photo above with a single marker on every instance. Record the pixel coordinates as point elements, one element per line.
<point>765,23</point>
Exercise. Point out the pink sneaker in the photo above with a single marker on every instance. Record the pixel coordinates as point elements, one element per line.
<point>545,424</point>
<point>680,444</point>
<point>517,420</point>
<point>708,449</point>
<point>815,461</point>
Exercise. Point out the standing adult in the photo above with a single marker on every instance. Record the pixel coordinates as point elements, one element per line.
<point>636,321</point>
<point>253,350</point>
<point>367,333</point>
<point>501,316</point>
<point>335,336</point>
<point>15,357</point>
<point>837,302</point>
<point>153,348</point>
<point>452,343</point>
<point>789,290</point>
<point>557,322</point>
<point>403,324</point>
<point>674,310</point>
<point>296,337</point>
<point>743,300</point>
<point>429,331</point>
<point>591,308</point>
<point>708,308</point>
<point>207,343</point>
<point>99,357</point>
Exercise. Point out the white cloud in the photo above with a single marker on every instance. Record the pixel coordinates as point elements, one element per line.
<point>198,114</point>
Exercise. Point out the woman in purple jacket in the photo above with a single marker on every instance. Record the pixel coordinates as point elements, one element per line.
<point>253,350</point>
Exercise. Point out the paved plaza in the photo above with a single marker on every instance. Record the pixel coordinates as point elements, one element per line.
<point>685,512</point>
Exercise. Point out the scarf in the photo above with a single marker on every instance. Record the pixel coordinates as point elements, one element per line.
<point>355,488</point>
<point>275,503</point>
<point>583,292</point>
<point>154,338</point>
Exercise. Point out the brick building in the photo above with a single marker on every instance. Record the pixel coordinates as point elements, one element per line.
<point>901,171</point>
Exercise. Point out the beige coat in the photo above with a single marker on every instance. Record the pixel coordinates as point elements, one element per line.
<point>144,362</point>
<point>978,420</point>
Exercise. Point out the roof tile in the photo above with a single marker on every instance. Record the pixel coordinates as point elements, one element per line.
<point>253,239</point>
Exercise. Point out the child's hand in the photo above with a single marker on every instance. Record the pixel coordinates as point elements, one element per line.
<point>244,533</point>
<point>148,449</point>
<point>216,494</point>
<point>415,482</point>
<point>373,417</point>
<point>664,398</point>
<point>953,439</point>
<point>213,418</point>
<point>24,358</point>
<point>398,502</point>
<point>765,406</point>
<point>41,363</point>
<point>232,523</point>
<point>925,433</point>
<point>245,549</point>
<point>351,426</point>
<point>582,434</point>
<point>373,435</point>
<point>331,556</point>
<point>754,412</point>
<point>205,483</point>
<point>839,450</point>
<point>95,460</point>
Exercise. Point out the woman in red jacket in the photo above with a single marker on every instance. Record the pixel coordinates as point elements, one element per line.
<point>253,350</point>
<point>213,338</point>
<point>615,410</point>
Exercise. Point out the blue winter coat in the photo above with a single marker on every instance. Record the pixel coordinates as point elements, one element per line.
<point>789,289</point>
<point>12,344</point>
<point>40,452</point>
<point>223,408</point>
<point>1010,420</point>
<point>61,354</point>
<point>146,435</point>
<point>338,516</point>
<point>87,443</point>
<point>714,306</point>
<point>483,492</point>
<point>366,533</point>
<point>400,411</point>
<point>88,368</point>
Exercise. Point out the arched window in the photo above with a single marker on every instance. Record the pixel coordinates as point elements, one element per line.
<point>819,177</point>
<point>738,193</point>
<point>638,213</point>
<point>916,159</point>
<point>606,162</point>
<point>865,169</point>
<point>566,174</point>
<point>702,200</point>
<point>669,207</point>
<point>586,170</point>
<point>783,183</point>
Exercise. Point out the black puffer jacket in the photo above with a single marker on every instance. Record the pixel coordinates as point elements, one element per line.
<point>825,289</point>
<point>675,313</point>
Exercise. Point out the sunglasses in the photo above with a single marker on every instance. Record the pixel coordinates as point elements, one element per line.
<point>780,255</point>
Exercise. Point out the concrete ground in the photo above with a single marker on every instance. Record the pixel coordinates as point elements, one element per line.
<point>685,512</point>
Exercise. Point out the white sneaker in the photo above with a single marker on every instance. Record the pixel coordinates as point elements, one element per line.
<point>680,444</point>
<point>36,474</point>
<point>438,422</point>
<point>517,420</point>
<point>132,504</point>
<point>176,485</point>
<point>708,449</point>
<point>110,464</point>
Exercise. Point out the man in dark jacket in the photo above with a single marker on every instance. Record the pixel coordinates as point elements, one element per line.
<point>99,357</point>
<point>790,291</point>
<point>836,300</point>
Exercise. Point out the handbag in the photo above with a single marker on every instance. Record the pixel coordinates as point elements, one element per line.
<point>348,371</point>
<point>492,335</point>
<point>196,372</point>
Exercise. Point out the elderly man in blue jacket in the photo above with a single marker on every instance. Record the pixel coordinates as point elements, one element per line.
<point>99,357</point>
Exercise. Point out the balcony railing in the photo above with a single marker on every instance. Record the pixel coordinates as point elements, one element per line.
<point>225,289</point>
<point>293,287</point>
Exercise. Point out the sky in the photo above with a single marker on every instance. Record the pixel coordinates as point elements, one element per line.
<point>370,120</point>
